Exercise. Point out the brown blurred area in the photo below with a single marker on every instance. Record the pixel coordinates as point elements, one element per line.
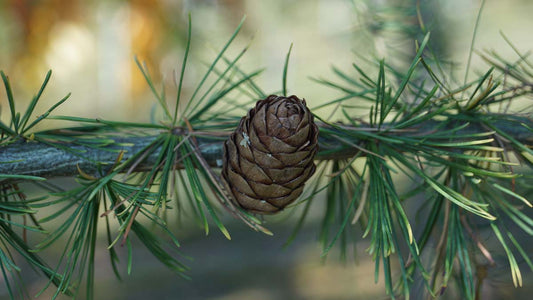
<point>90,46</point>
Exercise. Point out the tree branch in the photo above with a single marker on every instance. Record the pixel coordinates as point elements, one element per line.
<point>48,160</point>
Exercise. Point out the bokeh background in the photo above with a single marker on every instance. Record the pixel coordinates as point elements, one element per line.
<point>90,46</point>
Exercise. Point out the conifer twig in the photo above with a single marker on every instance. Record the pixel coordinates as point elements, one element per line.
<point>48,161</point>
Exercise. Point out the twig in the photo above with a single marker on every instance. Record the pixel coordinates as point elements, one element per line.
<point>51,160</point>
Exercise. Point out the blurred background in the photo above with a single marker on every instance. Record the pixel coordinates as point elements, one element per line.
<point>90,46</point>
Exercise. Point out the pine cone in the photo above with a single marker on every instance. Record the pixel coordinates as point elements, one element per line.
<point>269,157</point>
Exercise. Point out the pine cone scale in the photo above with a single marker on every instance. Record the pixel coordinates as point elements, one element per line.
<point>281,202</point>
<point>296,158</point>
<point>267,191</point>
<point>240,183</point>
<point>295,139</point>
<point>269,157</point>
<point>276,145</point>
<point>233,155</point>
<point>285,174</point>
<point>255,173</point>
<point>253,205</point>
<point>258,143</point>
<point>294,182</point>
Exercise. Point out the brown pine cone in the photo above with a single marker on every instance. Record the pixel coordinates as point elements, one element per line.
<point>269,157</point>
